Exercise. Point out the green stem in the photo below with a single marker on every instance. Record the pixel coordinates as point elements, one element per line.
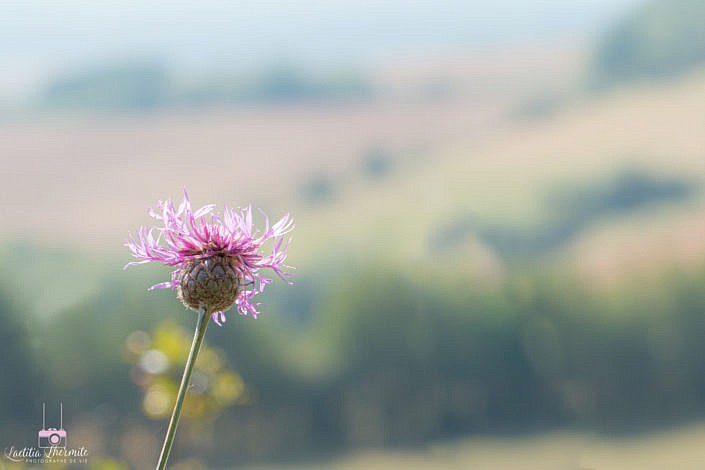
<point>199,334</point>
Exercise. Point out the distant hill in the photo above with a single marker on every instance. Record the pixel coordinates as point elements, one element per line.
<point>660,39</point>
<point>133,87</point>
<point>422,178</point>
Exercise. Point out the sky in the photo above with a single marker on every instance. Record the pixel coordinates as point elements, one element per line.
<point>39,38</point>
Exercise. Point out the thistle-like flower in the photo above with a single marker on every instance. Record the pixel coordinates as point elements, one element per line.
<point>218,258</point>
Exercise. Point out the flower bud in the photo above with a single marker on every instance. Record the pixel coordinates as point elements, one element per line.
<point>213,281</point>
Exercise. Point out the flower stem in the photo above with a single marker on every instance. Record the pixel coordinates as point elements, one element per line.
<point>199,334</point>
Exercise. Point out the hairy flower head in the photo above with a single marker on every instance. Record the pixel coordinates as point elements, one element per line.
<point>218,257</point>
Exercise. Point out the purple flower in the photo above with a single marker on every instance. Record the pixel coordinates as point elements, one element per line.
<point>218,258</point>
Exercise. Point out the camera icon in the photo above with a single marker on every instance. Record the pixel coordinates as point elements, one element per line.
<point>51,437</point>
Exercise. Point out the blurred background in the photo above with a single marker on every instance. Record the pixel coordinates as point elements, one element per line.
<point>500,241</point>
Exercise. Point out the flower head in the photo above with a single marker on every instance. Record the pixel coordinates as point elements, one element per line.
<point>218,258</point>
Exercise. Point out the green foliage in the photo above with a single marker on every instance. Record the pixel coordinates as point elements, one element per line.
<point>158,360</point>
<point>410,359</point>
<point>384,357</point>
<point>18,393</point>
<point>571,210</point>
<point>107,464</point>
<point>661,39</point>
<point>417,360</point>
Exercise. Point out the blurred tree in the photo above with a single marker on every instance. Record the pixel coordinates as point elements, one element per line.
<point>389,356</point>
<point>660,39</point>
<point>134,86</point>
<point>19,386</point>
<point>377,164</point>
<point>572,210</point>
<point>318,189</point>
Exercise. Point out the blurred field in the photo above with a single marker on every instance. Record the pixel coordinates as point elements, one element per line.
<point>454,135</point>
<point>506,177</point>
<point>554,451</point>
<point>261,154</point>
